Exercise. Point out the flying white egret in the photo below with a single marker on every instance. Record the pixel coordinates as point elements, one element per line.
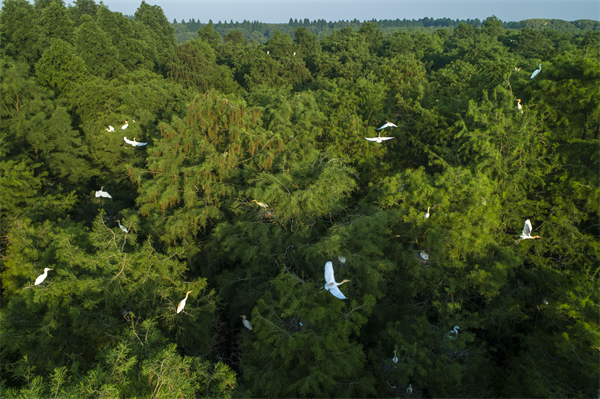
<point>427,213</point>
<point>246,322</point>
<point>395,358</point>
<point>519,106</point>
<point>133,142</point>
<point>517,69</point>
<point>379,139</point>
<point>330,284</point>
<point>387,124</point>
<point>262,205</point>
<point>182,303</point>
<point>42,277</point>
<point>452,334</point>
<point>527,232</point>
<point>535,73</point>
<point>409,389</point>
<point>110,129</point>
<point>101,193</point>
<point>125,126</point>
<point>122,227</point>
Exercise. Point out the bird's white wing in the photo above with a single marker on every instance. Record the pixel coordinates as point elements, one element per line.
<point>128,141</point>
<point>103,194</point>
<point>40,279</point>
<point>527,228</point>
<point>329,278</point>
<point>140,144</point>
<point>384,126</point>
<point>391,124</point>
<point>337,293</point>
<point>371,139</point>
<point>534,74</point>
<point>386,138</point>
<point>180,306</point>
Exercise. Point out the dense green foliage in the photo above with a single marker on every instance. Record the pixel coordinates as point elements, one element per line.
<point>261,32</point>
<point>257,172</point>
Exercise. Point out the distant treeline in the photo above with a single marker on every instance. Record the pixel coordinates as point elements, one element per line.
<point>261,32</point>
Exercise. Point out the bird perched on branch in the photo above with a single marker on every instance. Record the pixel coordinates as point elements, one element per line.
<point>427,213</point>
<point>110,129</point>
<point>101,193</point>
<point>122,227</point>
<point>125,126</point>
<point>535,73</point>
<point>519,106</point>
<point>262,205</point>
<point>182,303</point>
<point>247,323</point>
<point>42,277</point>
<point>395,358</point>
<point>330,284</point>
<point>452,334</point>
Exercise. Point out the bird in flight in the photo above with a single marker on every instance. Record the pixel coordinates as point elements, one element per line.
<point>330,284</point>
<point>387,124</point>
<point>378,139</point>
<point>133,142</point>
<point>526,234</point>
<point>101,193</point>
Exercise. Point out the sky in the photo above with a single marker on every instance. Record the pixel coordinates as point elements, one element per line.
<point>280,11</point>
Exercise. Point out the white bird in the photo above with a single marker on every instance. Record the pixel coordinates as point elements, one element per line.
<point>101,193</point>
<point>527,232</point>
<point>342,259</point>
<point>387,124</point>
<point>246,322</point>
<point>452,334</point>
<point>427,213</point>
<point>330,284</point>
<point>133,142</point>
<point>424,256</point>
<point>519,106</point>
<point>409,389</point>
<point>517,69</point>
<point>267,52</point>
<point>395,358</point>
<point>110,129</point>
<point>379,139</point>
<point>42,277</point>
<point>294,53</point>
<point>182,303</point>
<point>122,227</point>
<point>534,74</point>
<point>262,205</point>
<point>125,126</point>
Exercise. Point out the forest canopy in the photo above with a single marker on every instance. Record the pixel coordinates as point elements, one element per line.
<point>172,210</point>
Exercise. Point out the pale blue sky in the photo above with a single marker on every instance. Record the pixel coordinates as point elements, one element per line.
<point>280,11</point>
